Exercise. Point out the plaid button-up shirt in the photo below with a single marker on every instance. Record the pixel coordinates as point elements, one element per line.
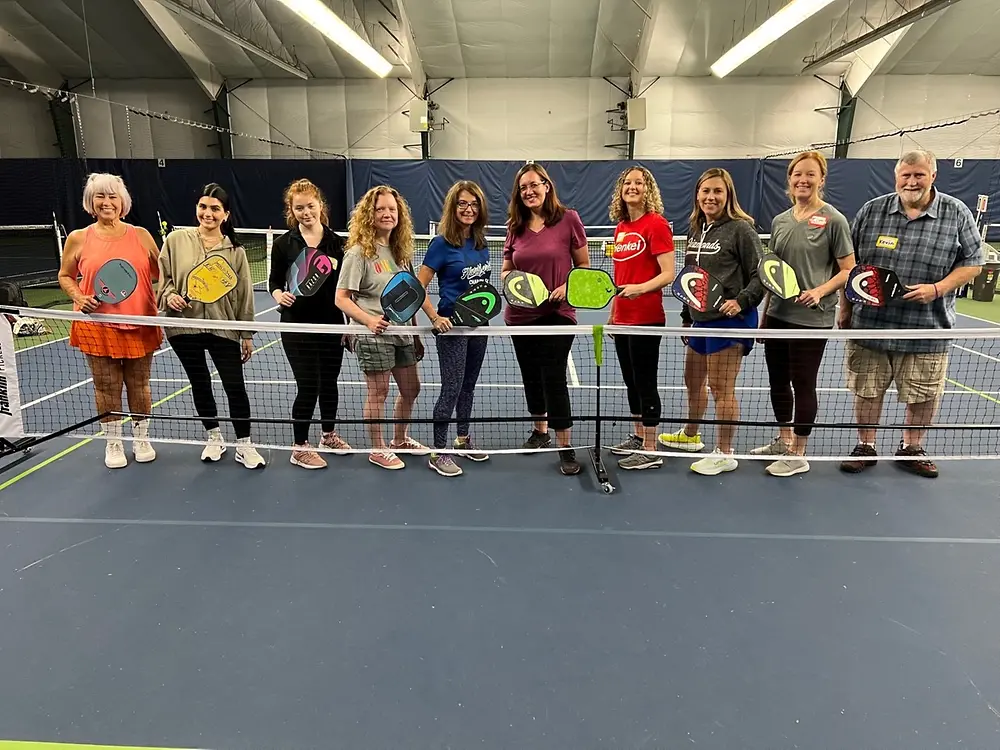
<point>921,251</point>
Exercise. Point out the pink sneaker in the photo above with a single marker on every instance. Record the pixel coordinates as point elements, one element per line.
<point>411,445</point>
<point>335,443</point>
<point>386,459</point>
<point>304,456</point>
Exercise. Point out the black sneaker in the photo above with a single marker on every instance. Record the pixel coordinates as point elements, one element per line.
<point>567,462</point>
<point>537,440</point>
<point>920,467</point>
<point>860,452</point>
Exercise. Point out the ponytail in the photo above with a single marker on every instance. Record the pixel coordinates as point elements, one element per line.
<point>228,231</point>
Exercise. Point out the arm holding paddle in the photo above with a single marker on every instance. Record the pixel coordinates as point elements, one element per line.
<point>440,323</point>
<point>663,279</point>
<point>277,277</point>
<point>153,249</point>
<point>167,290</point>
<point>812,297</point>
<point>749,249</point>
<point>68,272</point>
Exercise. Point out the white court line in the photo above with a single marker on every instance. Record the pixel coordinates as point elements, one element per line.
<point>573,377</point>
<point>981,320</point>
<point>73,387</point>
<point>974,351</point>
<point>39,346</point>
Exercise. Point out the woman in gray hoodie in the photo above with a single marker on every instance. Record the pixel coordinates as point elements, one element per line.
<point>722,240</point>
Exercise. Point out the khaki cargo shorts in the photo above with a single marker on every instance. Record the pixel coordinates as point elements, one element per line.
<point>376,354</point>
<point>919,377</point>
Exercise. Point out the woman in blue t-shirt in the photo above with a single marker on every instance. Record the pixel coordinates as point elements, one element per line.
<point>459,257</point>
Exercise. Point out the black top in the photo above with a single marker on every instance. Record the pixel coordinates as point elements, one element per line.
<point>321,308</point>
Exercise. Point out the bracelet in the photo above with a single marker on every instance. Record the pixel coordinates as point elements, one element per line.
<point>936,292</point>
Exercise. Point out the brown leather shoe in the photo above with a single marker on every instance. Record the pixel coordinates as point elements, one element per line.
<point>920,467</point>
<point>858,463</point>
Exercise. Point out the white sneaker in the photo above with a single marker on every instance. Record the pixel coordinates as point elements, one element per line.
<point>247,455</point>
<point>142,449</point>
<point>215,447</point>
<point>787,467</point>
<point>713,464</point>
<point>114,455</point>
<point>114,450</point>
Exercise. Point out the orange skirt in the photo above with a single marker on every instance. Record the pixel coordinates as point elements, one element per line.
<point>105,340</point>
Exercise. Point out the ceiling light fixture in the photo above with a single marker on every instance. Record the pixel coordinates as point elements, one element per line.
<point>775,27</point>
<point>333,28</point>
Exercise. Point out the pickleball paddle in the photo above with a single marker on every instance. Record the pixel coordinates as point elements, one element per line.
<point>778,277</point>
<point>115,281</point>
<point>308,272</point>
<point>873,286</point>
<point>402,297</point>
<point>697,289</point>
<point>522,289</point>
<point>211,280</point>
<point>590,288</point>
<point>477,306</point>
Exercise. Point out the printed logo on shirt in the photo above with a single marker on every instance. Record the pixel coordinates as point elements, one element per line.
<point>383,266</point>
<point>886,242</point>
<point>628,245</point>
<point>817,221</point>
<point>705,248</point>
<point>477,272</point>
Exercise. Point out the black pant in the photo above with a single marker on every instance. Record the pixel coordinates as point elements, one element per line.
<point>543,361</point>
<point>639,359</point>
<point>190,349</point>
<point>315,359</point>
<point>793,365</point>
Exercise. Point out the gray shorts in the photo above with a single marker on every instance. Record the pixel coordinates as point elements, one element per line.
<point>376,354</point>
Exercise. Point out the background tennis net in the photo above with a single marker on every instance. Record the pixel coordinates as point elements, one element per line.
<point>56,393</point>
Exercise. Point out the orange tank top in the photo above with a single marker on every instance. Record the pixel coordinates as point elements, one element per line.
<point>98,250</point>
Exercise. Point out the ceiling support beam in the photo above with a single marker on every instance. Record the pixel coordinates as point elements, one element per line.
<point>866,61</point>
<point>198,18</point>
<point>651,11</point>
<point>27,62</point>
<point>901,22</point>
<point>169,28</point>
<point>845,121</point>
<point>414,63</point>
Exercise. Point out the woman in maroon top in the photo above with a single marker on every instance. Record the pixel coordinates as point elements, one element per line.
<point>547,239</point>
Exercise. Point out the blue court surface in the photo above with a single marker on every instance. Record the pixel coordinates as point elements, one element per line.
<point>178,604</point>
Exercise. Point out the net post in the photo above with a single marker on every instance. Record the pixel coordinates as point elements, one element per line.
<point>595,451</point>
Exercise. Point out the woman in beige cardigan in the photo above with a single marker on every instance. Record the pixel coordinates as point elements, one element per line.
<point>183,249</point>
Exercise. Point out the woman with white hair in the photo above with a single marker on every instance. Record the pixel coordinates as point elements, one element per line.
<point>117,353</point>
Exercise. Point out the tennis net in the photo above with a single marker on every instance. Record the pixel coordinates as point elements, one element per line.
<point>55,393</point>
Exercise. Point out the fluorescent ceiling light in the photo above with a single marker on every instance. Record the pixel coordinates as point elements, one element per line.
<point>775,27</point>
<point>329,25</point>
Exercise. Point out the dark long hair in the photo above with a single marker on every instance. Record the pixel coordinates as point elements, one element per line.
<point>518,213</point>
<point>215,190</point>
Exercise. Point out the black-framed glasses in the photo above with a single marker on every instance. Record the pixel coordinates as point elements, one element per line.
<point>468,204</point>
<point>531,186</point>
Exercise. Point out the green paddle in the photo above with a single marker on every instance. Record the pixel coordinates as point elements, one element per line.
<point>590,288</point>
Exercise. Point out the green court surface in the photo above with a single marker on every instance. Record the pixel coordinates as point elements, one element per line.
<point>989,311</point>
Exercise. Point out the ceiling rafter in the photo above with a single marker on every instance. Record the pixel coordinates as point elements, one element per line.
<point>27,62</point>
<point>194,57</point>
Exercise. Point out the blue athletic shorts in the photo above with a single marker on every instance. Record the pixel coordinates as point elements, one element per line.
<point>711,344</point>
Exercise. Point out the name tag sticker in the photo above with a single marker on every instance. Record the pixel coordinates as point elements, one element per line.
<point>817,221</point>
<point>886,242</point>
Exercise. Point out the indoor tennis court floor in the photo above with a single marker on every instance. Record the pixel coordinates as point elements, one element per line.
<point>183,605</point>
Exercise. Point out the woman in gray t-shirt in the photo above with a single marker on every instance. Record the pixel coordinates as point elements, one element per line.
<point>814,238</point>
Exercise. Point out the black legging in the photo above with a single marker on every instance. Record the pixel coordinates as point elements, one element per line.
<point>639,358</point>
<point>315,359</point>
<point>792,365</point>
<point>543,361</point>
<point>190,349</point>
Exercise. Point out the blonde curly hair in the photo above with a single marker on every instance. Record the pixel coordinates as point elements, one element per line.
<point>618,211</point>
<point>361,227</point>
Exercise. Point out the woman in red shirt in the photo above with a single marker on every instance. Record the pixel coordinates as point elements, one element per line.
<point>643,265</point>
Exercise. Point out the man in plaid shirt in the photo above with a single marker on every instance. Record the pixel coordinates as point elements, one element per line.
<point>931,241</point>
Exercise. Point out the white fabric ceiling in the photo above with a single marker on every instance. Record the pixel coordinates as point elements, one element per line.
<point>471,38</point>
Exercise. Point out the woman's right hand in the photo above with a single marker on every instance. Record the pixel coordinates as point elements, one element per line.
<point>87,303</point>
<point>377,325</point>
<point>285,299</point>
<point>176,302</point>
<point>441,324</point>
